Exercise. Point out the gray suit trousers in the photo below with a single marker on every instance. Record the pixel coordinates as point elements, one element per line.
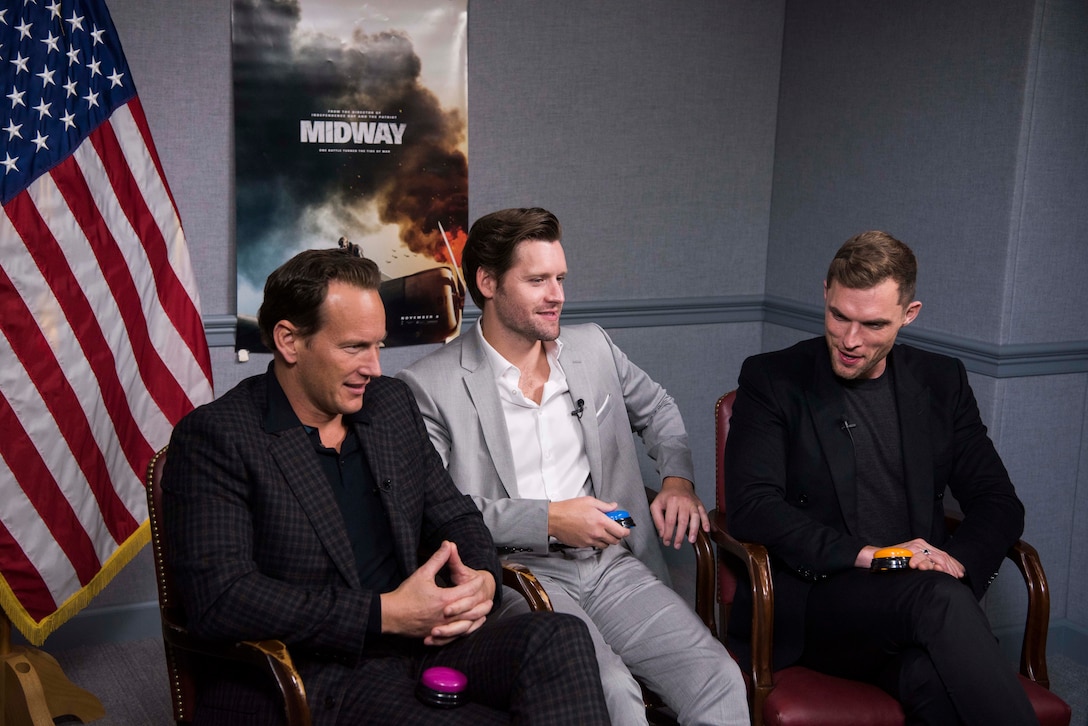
<point>640,626</point>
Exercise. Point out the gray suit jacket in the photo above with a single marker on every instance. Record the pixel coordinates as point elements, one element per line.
<point>456,391</point>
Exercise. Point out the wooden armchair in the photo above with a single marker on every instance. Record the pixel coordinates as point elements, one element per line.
<point>797,695</point>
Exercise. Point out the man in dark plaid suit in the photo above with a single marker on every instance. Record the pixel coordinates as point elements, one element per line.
<point>294,511</point>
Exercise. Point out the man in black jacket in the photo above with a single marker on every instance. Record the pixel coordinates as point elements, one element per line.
<point>841,445</point>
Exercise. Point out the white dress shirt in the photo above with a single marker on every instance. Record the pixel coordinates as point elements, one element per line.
<point>549,451</point>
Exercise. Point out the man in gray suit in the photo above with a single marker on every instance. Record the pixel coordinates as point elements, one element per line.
<point>537,429</point>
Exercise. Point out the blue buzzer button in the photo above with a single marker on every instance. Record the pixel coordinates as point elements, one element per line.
<point>441,687</point>
<point>622,517</point>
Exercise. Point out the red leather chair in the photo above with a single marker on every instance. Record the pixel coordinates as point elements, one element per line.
<point>799,696</point>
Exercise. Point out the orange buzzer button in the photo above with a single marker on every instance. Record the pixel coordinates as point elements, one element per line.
<point>891,558</point>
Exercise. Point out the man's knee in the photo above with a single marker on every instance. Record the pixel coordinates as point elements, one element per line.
<point>565,625</point>
<point>942,589</point>
<point>943,603</point>
<point>558,632</point>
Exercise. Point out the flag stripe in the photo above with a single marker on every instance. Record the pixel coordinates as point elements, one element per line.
<point>162,386</point>
<point>33,351</point>
<point>148,233</point>
<point>53,264</point>
<point>24,426</point>
<point>139,120</point>
<point>22,576</point>
<point>178,308</point>
<point>76,347</point>
<point>171,352</point>
<point>187,382</point>
<point>34,414</point>
<point>26,464</point>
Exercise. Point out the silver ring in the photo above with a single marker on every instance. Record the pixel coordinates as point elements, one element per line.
<point>925,552</point>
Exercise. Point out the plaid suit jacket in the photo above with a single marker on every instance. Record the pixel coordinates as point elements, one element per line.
<point>258,542</point>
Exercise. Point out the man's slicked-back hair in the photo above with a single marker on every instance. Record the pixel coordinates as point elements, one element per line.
<point>868,259</point>
<point>494,237</point>
<point>296,289</point>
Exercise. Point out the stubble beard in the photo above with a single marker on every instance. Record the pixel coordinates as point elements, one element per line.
<point>531,327</point>
<point>847,373</point>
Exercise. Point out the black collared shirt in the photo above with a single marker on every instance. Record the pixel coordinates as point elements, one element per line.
<point>353,485</point>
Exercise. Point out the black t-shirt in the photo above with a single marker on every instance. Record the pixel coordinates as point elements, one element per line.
<point>873,424</point>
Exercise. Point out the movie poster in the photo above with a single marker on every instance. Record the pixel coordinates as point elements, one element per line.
<point>350,129</point>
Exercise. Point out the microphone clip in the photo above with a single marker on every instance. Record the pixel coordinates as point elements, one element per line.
<point>579,409</point>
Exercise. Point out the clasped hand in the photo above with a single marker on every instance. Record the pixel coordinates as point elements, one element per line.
<point>419,608</point>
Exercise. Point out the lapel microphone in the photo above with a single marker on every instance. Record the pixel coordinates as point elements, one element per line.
<point>845,425</point>
<point>579,409</point>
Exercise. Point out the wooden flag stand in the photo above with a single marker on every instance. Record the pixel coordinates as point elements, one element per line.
<point>34,689</point>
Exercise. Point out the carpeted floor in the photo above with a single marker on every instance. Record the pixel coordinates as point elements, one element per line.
<point>1069,679</point>
<point>130,681</point>
<point>128,678</point>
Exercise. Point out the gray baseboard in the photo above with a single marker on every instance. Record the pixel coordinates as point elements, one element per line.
<point>1064,638</point>
<point>1069,639</point>
<point>98,626</point>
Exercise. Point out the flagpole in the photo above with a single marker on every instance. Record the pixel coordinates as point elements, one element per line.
<point>34,689</point>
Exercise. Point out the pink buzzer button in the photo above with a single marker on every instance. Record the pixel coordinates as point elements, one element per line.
<point>442,687</point>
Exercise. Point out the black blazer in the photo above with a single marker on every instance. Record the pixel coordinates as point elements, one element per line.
<point>259,544</point>
<point>790,479</point>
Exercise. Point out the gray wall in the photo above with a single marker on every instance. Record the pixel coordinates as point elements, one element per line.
<point>707,156</point>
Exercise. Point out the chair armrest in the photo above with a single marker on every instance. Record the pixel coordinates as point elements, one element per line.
<point>757,563</point>
<point>269,656</point>
<point>1037,620</point>
<point>521,578</point>
<point>276,658</point>
<point>704,581</point>
<point>704,574</point>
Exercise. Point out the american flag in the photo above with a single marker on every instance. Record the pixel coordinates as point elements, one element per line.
<point>102,349</point>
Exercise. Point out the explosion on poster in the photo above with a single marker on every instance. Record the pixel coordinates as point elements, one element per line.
<point>350,129</point>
